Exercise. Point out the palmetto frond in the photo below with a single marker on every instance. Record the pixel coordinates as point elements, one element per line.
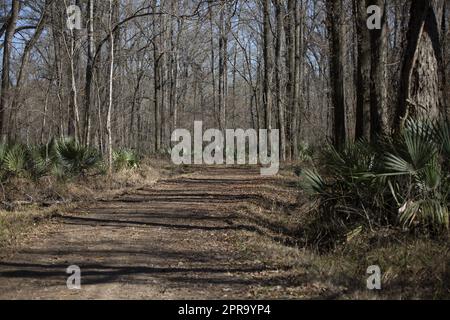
<point>75,157</point>
<point>313,183</point>
<point>442,137</point>
<point>14,160</point>
<point>125,159</point>
<point>427,211</point>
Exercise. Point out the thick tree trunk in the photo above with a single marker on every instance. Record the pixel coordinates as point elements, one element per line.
<point>378,89</point>
<point>363,73</point>
<point>337,61</point>
<point>420,94</point>
<point>446,49</point>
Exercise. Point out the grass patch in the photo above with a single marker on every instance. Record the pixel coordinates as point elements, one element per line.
<point>15,225</point>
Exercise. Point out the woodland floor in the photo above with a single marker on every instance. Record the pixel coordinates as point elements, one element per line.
<point>209,233</point>
<point>183,238</point>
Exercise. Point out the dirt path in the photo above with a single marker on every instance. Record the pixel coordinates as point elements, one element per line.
<point>177,240</point>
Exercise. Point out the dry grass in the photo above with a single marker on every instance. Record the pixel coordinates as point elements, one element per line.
<point>25,204</point>
<point>14,226</point>
<point>412,266</point>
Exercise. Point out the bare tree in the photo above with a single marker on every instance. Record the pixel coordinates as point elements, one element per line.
<point>267,42</point>
<point>278,75</point>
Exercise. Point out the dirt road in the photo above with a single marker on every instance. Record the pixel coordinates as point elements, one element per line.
<point>180,239</point>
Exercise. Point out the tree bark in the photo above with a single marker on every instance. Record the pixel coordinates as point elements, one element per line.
<point>299,76</point>
<point>337,61</point>
<point>89,72</point>
<point>278,71</point>
<point>110,93</point>
<point>156,85</point>
<point>267,42</point>
<point>378,89</point>
<point>290,67</point>
<point>7,48</point>
<point>363,73</point>
<point>420,94</point>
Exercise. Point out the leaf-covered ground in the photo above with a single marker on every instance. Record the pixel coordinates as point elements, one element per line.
<point>215,233</point>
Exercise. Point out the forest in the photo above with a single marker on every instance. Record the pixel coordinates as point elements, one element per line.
<point>356,92</point>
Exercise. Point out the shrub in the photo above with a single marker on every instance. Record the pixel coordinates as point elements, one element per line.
<point>125,159</point>
<point>43,160</point>
<point>349,193</point>
<point>75,158</point>
<point>400,180</point>
<point>305,152</point>
<point>421,179</point>
<point>14,161</point>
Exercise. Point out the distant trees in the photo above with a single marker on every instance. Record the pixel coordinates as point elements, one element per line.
<point>312,69</point>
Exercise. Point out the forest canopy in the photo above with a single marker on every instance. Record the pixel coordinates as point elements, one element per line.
<point>133,71</point>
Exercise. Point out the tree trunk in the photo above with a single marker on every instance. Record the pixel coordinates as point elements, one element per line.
<point>336,30</point>
<point>156,85</point>
<point>290,67</point>
<point>267,42</point>
<point>363,73</point>
<point>299,77</point>
<point>278,70</point>
<point>446,49</point>
<point>110,96</point>
<point>89,72</point>
<point>420,94</point>
<point>378,89</point>
<point>7,48</point>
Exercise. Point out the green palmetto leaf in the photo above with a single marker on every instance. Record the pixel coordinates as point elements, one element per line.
<point>313,183</point>
<point>355,160</point>
<point>125,159</point>
<point>426,210</point>
<point>14,160</point>
<point>75,157</point>
<point>431,176</point>
<point>442,136</point>
<point>418,137</point>
<point>399,165</point>
<point>42,159</point>
<point>38,162</point>
<point>416,150</point>
<point>3,151</point>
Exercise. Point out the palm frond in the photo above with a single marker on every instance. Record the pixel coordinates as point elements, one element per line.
<point>312,182</point>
